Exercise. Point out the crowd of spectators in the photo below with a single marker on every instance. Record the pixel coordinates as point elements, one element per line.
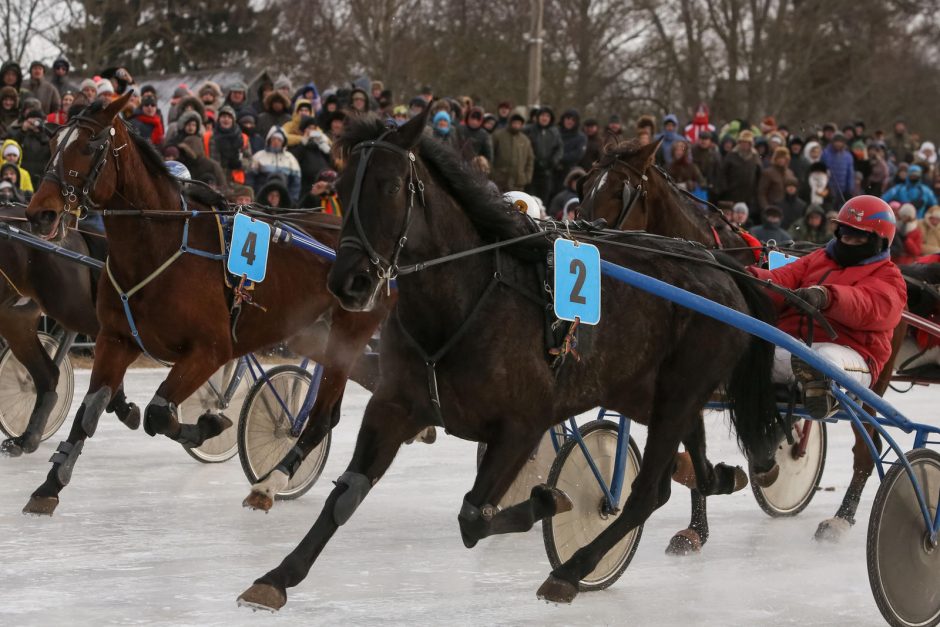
<point>273,145</point>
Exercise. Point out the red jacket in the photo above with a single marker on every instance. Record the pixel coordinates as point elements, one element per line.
<point>865,303</point>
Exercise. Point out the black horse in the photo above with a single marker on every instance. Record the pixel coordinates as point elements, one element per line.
<point>409,200</point>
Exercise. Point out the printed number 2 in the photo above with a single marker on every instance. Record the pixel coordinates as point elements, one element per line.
<point>248,250</point>
<point>580,271</point>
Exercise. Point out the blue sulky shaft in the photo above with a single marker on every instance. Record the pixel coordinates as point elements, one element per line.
<point>27,239</point>
<point>775,336</point>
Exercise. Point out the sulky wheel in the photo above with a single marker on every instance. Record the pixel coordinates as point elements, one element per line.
<point>209,397</point>
<point>18,393</point>
<point>567,532</point>
<point>799,475</point>
<point>536,469</point>
<point>264,431</point>
<point>903,564</point>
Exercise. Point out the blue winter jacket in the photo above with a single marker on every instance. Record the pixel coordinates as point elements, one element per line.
<point>918,194</point>
<point>841,173</point>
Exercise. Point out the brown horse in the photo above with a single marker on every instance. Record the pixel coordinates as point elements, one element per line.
<point>166,292</point>
<point>35,282</point>
<point>627,190</point>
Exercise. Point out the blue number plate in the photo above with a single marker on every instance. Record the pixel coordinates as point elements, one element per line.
<point>777,259</point>
<point>577,281</point>
<point>248,254</point>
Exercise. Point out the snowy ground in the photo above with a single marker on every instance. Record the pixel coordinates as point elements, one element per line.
<point>146,535</point>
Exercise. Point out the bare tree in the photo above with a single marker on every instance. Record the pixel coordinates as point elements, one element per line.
<point>22,20</point>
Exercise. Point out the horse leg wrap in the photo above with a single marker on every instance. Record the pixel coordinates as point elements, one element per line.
<point>291,461</point>
<point>94,404</point>
<point>159,416</point>
<point>128,413</point>
<point>357,487</point>
<point>37,421</point>
<point>65,457</point>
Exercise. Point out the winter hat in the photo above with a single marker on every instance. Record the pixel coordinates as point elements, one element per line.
<point>574,175</point>
<point>61,62</point>
<point>88,84</point>
<point>37,64</point>
<point>927,152</point>
<point>11,149</point>
<point>180,92</point>
<point>276,130</point>
<point>34,113</point>
<point>614,119</point>
<point>246,116</point>
<point>781,151</point>
<point>238,86</point>
<point>209,88</point>
<point>282,83</point>
<point>516,116</point>
<point>740,207</point>
<point>105,87</point>
<point>4,184</point>
<point>227,110</point>
<point>306,122</point>
<point>439,116</point>
<point>914,169</point>
<point>746,136</point>
<point>400,110</point>
<point>670,118</point>
<point>9,92</point>
<point>773,210</point>
<point>171,152</point>
<point>907,210</point>
<point>790,180</point>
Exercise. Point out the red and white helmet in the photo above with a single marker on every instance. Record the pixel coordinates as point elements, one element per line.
<point>868,213</point>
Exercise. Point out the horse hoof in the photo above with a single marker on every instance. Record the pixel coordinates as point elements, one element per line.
<point>258,501</point>
<point>832,530</point>
<point>556,590</point>
<point>132,419</point>
<point>768,478</point>
<point>685,542</point>
<point>684,474</point>
<point>555,500</point>
<point>740,479</point>
<point>41,505</point>
<point>11,448</point>
<point>428,436</point>
<point>262,596</point>
<point>215,424</point>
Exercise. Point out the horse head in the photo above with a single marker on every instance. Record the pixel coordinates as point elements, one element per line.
<point>82,173</point>
<point>616,187</point>
<point>379,191</point>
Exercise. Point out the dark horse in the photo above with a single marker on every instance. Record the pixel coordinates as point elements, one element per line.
<point>181,313</point>
<point>409,200</point>
<point>629,192</point>
<point>34,283</point>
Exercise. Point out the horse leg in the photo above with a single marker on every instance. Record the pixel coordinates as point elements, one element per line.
<point>832,529</point>
<point>19,330</point>
<point>650,490</point>
<point>349,334</point>
<point>128,413</point>
<point>385,426</point>
<point>185,377</point>
<point>709,480</point>
<point>503,459</point>
<point>112,357</point>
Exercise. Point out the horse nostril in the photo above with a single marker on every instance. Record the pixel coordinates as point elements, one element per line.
<point>357,284</point>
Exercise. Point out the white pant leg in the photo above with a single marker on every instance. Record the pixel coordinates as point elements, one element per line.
<point>840,356</point>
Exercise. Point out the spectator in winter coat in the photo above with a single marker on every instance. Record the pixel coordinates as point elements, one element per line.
<point>275,159</point>
<point>503,111</point>
<point>841,166</point>
<point>210,94</point>
<point>189,124</point>
<point>681,168</point>
<point>811,227</point>
<point>228,146</point>
<point>817,185</point>
<point>274,193</point>
<point>13,173</point>
<point>442,129</point>
<point>276,113</point>
<point>201,167</point>
<point>303,108</point>
<point>593,145</point>
<point>9,193</point>
<point>312,152</point>
<point>792,206</point>
<point>237,97</point>
<point>41,89</point>
<point>61,116</point>
<point>613,132</point>
<point>740,173</point>
<point>741,215</point>
<point>9,109</point>
<point>909,242</point>
<point>912,191</point>
<point>148,122</point>
<point>246,122</point>
<point>11,75</point>
<point>669,136</point>
<point>472,138</point>
<point>699,124</point>
<point>513,159</point>
<point>34,142</point>
<point>770,190</point>
<point>185,105</point>
<point>60,77</point>
<point>548,149</point>
<point>12,154</point>
<point>930,227</point>
<point>574,142</point>
<point>879,174</point>
<point>570,190</point>
<point>770,227</point>
<point>799,164</point>
<point>706,157</point>
<point>900,143</point>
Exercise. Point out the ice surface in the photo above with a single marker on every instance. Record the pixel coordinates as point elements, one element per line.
<point>147,535</point>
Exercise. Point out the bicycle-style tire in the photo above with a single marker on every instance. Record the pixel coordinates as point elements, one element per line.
<point>18,392</point>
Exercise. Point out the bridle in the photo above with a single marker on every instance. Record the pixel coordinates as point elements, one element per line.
<point>77,188</point>
<point>387,269</point>
<point>631,193</point>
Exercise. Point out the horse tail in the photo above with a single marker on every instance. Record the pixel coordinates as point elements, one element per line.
<point>750,391</point>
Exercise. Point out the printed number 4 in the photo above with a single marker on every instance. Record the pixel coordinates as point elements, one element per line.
<point>248,250</point>
<point>578,269</point>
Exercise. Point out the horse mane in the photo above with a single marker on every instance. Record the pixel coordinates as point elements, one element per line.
<point>622,150</point>
<point>492,216</point>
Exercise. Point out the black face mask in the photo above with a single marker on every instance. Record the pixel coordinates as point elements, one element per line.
<point>846,255</point>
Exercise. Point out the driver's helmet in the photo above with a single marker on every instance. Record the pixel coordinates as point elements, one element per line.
<point>178,170</point>
<point>526,203</point>
<point>869,213</point>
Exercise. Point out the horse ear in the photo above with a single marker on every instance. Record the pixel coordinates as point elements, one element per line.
<point>648,153</point>
<point>410,133</point>
<point>117,105</point>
